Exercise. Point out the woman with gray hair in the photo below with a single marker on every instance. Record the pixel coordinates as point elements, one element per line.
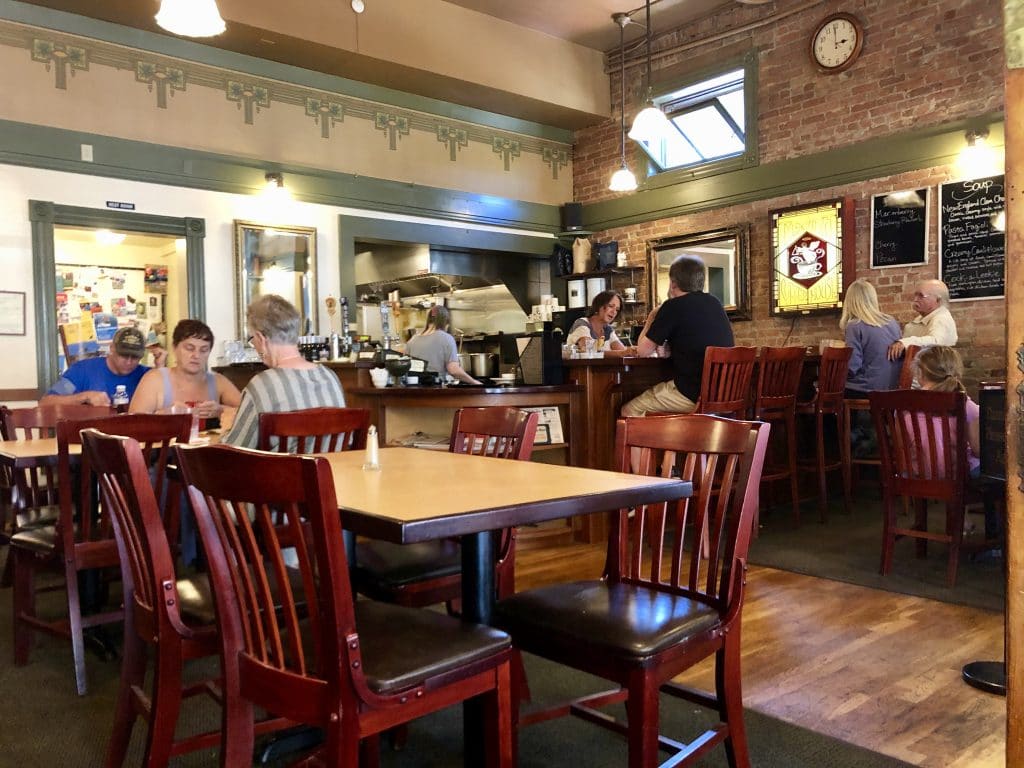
<point>291,382</point>
<point>437,347</point>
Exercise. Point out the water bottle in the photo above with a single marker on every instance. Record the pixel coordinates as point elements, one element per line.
<point>121,398</point>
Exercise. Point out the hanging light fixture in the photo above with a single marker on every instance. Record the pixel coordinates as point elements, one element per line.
<point>650,121</point>
<point>623,179</point>
<point>190,18</point>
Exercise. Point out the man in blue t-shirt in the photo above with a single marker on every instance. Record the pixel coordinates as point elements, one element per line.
<point>688,323</point>
<point>94,380</point>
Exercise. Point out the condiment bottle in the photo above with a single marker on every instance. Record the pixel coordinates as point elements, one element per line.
<point>372,461</point>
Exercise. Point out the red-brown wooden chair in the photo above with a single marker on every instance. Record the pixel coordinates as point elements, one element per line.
<point>921,437</point>
<point>426,573</point>
<point>663,605</point>
<point>314,430</point>
<point>82,538</point>
<point>352,668</point>
<point>725,381</point>
<point>854,405</point>
<point>828,402</point>
<point>173,616</point>
<point>778,380</point>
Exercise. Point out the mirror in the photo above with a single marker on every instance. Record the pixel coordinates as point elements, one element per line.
<point>724,251</point>
<point>281,260</point>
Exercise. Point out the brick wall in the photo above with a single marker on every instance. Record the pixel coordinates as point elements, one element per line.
<point>924,62</point>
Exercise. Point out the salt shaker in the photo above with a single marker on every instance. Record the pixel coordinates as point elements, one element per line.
<point>372,461</point>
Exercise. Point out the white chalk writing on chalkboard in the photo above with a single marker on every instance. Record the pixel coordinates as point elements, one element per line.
<point>971,245</point>
<point>899,228</point>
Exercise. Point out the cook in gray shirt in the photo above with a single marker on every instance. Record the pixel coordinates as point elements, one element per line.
<point>435,345</point>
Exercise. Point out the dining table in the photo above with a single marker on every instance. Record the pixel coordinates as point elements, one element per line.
<point>415,495</point>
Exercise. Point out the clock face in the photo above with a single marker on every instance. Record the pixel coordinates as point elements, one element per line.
<point>836,43</point>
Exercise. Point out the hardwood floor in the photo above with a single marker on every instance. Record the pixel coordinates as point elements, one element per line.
<point>874,668</point>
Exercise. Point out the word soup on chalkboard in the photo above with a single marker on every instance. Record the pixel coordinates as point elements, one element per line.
<point>972,243</point>
<point>899,228</point>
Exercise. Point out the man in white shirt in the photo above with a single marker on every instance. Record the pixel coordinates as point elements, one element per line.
<point>933,326</point>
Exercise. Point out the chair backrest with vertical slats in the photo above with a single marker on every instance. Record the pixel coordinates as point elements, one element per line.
<point>250,506</point>
<point>725,380</point>
<point>921,440</point>
<point>499,431</point>
<point>778,378</point>
<point>723,459</point>
<point>127,495</point>
<point>907,370</point>
<point>835,361</point>
<point>314,430</point>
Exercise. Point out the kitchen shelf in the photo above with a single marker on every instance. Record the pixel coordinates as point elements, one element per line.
<point>611,272</point>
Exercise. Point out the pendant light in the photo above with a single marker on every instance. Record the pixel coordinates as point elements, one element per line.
<point>190,18</point>
<point>650,122</point>
<point>623,179</point>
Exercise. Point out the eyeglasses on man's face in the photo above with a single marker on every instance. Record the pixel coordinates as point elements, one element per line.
<point>919,295</point>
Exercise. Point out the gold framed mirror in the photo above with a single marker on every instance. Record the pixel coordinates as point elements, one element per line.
<point>276,259</point>
<point>727,256</point>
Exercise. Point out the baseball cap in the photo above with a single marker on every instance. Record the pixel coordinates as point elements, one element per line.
<point>129,342</point>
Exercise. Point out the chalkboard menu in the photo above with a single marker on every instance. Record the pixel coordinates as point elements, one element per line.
<point>972,255</point>
<point>899,228</point>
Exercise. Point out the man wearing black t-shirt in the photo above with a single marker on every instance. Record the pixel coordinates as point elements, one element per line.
<point>688,323</point>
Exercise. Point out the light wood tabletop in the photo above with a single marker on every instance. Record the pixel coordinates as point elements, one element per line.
<point>418,495</point>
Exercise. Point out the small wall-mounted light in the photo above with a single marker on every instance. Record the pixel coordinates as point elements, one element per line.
<point>977,158</point>
<point>274,180</point>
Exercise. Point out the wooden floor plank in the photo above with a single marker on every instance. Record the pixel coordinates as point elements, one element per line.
<point>878,669</point>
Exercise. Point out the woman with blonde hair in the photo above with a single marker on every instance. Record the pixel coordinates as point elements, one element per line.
<point>869,332</point>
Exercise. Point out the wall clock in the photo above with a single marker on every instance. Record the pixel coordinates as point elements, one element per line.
<point>836,43</point>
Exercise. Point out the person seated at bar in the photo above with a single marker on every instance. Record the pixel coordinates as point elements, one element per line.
<point>437,347</point>
<point>934,325</point>
<point>689,322</point>
<point>292,383</point>
<point>94,381</point>
<point>869,333</point>
<point>941,369</point>
<point>597,327</point>
<point>189,383</point>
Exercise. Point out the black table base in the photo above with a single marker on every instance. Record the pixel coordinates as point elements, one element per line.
<point>989,676</point>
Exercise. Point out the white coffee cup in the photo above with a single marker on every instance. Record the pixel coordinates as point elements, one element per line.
<point>379,376</point>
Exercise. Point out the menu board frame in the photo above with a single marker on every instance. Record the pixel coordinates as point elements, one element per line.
<point>891,231</point>
<point>971,206</point>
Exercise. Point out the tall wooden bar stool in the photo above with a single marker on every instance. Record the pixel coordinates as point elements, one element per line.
<point>854,405</point>
<point>828,401</point>
<point>725,382</point>
<point>778,379</point>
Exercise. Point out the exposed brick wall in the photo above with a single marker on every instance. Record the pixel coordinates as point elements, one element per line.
<point>924,62</point>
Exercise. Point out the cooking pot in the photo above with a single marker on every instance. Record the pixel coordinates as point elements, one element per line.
<point>465,360</point>
<point>484,363</point>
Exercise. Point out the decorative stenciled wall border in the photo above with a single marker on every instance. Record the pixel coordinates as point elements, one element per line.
<point>69,56</point>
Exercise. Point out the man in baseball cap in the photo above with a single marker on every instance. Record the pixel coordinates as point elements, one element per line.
<point>94,380</point>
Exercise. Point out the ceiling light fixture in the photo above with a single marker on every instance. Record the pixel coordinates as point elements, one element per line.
<point>650,121</point>
<point>190,18</point>
<point>623,179</point>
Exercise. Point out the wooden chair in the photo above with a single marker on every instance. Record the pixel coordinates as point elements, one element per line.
<point>314,430</point>
<point>663,605</point>
<point>426,573</point>
<point>828,401</point>
<point>852,406</point>
<point>82,538</point>
<point>725,381</point>
<point>352,668</point>
<point>778,380</point>
<point>921,437</point>
<point>175,617</point>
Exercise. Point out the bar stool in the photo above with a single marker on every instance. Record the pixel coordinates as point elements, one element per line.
<point>725,382</point>
<point>828,401</point>
<point>778,379</point>
<point>852,405</point>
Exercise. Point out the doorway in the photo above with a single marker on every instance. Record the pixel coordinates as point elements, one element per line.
<point>47,217</point>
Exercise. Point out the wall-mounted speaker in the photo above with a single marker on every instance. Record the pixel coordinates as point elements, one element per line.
<point>572,217</point>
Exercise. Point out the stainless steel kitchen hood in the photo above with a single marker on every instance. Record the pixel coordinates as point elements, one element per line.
<point>418,270</point>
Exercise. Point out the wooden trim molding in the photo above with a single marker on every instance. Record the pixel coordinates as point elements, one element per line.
<point>12,395</point>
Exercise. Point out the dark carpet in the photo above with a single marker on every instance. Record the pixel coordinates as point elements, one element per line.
<point>45,725</point>
<point>848,547</point>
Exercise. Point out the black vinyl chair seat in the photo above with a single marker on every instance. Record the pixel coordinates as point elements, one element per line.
<point>430,644</point>
<point>394,565</point>
<point>36,516</point>
<point>620,618</point>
